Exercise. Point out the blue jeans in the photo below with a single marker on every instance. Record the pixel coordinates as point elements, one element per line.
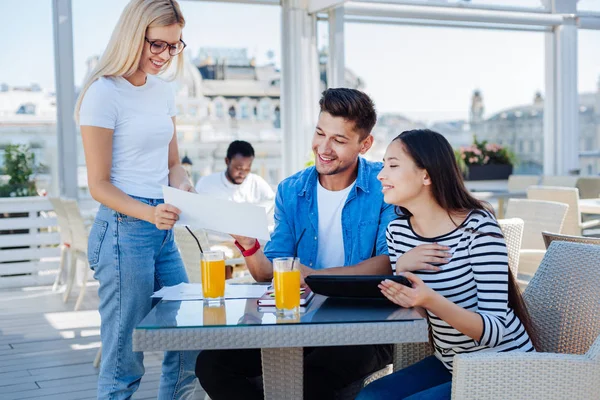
<point>426,380</point>
<point>131,258</point>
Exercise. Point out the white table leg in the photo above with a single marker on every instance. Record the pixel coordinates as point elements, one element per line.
<point>282,373</point>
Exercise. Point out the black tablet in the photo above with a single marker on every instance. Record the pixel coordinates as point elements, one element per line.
<point>363,286</point>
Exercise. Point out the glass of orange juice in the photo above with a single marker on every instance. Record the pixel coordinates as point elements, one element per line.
<point>212,269</point>
<point>286,280</point>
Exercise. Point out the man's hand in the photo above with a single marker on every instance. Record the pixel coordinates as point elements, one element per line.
<point>165,216</point>
<point>304,272</point>
<point>187,187</point>
<point>244,241</point>
<point>422,257</point>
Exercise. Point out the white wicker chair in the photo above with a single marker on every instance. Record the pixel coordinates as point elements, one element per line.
<point>79,246</point>
<point>564,181</point>
<point>538,216</point>
<point>589,187</point>
<point>190,253</point>
<point>564,303</point>
<point>520,183</point>
<point>573,225</point>
<point>65,238</point>
<point>512,229</point>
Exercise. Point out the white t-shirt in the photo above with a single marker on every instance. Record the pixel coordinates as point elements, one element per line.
<point>330,251</point>
<point>253,190</point>
<point>141,119</point>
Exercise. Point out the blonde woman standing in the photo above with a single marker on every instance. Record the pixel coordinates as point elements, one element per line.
<point>127,119</point>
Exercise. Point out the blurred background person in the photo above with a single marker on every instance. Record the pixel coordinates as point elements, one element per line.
<point>237,183</point>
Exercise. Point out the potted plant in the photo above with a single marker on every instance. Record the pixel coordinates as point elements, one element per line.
<point>485,161</point>
<point>20,166</point>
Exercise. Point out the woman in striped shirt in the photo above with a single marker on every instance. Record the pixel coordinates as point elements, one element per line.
<point>449,246</point>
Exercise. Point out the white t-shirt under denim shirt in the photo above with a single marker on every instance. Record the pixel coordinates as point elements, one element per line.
<point>330,243</point>
<point>141,119</point>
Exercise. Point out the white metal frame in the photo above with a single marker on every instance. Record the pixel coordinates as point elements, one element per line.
<point>299,83</point>
<point>65,97</point>
<point>336,62</point>
<point>300,73</point>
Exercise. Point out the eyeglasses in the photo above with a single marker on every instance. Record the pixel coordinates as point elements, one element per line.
<point>158,46</point>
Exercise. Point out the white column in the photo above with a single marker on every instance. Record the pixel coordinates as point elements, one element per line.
<point>299,84</point>
<point>336,61</point>
<point>561,107</point>
<point>66,131</point>
<point>550,105</point>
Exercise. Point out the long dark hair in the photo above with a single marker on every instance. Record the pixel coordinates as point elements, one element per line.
<point>432,152</point>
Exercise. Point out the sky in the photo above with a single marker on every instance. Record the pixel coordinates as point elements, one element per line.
<point>423,73</point>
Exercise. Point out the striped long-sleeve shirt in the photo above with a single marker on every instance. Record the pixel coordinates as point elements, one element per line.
<point>476,278</point>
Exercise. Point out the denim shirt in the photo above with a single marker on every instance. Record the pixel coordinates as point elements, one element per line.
<point>365,217</point>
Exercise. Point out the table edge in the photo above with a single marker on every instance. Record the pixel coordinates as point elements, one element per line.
<point>277,336</point>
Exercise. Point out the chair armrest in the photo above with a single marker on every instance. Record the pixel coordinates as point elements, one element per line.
<point>525,375</point>
<point>590,224</point>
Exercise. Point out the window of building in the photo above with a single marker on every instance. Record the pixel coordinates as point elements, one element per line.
<point>219,110</point>
<point>26,109</point>
<point>244,109</point>
<point>265,109</point>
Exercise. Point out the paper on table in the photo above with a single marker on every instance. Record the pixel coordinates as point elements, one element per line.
<point>207,212</point>
<point>167,289</point>
<point>193,291</point>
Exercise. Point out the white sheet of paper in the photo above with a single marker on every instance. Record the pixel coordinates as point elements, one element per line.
<point>207,212</point>
<point>193,291</point>
<point>168,289</point>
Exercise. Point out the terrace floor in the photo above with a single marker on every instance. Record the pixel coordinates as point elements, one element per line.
<point>47,349</point>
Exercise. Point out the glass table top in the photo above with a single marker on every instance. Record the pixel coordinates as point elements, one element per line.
<point>242,312</point>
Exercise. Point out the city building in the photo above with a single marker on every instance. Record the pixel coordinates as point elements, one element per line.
<point>224,95</point>
<point>521,128</point>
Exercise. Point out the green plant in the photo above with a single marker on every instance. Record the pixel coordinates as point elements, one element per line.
<point>483,153</point>
<point>19,165</point>
<point>311,161</point>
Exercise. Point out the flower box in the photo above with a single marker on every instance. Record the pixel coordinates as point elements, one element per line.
<point>488,172</point>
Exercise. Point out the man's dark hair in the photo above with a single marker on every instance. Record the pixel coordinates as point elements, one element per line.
<point>240,147</point>
<point>352,105</point>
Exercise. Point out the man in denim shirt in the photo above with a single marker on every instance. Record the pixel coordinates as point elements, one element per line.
<point>333,217</point>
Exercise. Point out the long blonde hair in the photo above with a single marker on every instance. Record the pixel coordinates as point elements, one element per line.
<point>124,50</point>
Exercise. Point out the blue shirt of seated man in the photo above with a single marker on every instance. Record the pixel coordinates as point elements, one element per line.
<point>365,217</point>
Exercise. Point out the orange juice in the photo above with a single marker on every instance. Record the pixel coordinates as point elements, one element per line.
<point>213,278</point>
<point>214,315</point>
<point>287,289</point>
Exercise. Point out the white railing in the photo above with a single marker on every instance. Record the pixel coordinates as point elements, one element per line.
<point>29,242</point>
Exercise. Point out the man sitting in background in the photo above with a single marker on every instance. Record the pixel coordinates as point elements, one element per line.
<point>237,183</point>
